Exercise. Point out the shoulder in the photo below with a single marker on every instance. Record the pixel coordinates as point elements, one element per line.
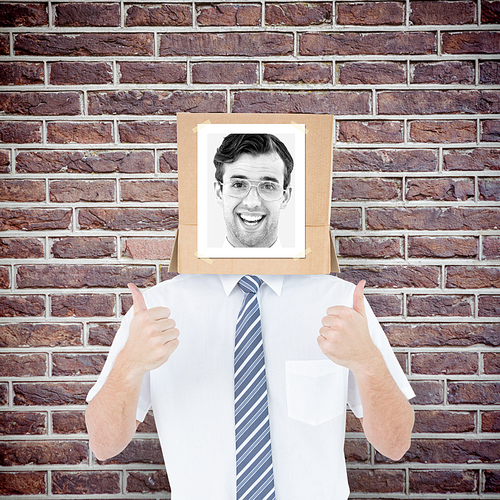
<point>319,280</point>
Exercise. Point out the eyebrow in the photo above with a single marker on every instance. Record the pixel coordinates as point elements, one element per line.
<point>265,178</point>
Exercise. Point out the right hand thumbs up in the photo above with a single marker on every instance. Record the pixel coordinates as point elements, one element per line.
<point>138,298</point>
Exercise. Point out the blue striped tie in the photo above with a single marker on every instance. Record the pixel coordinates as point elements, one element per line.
<point>254,465</point>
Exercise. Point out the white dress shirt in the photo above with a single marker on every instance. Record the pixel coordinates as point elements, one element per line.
<point>192,394</point>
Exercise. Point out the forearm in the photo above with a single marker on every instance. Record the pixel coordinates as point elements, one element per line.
<point>111,414</point>
<point>387,415</point>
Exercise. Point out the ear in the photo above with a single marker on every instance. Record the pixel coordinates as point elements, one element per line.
<point>218,192</point>
<point>287,194</point>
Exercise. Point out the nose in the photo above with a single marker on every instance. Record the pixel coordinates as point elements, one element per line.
<point>252,199</point>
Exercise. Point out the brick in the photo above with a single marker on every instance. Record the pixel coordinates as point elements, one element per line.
<point>4,395</point>
<point>381,481</point>
<point>443,131</point>
<point>21,423</point>
<point>85,483</point>
<point>83,305</point>
<point>471,42</point>
<point>149,102</point>
<point>439,305</point>
<point>490,12</point>
<point>442,246</point>
<point>491,363</point>
<point>147,481</point>
<point>439,189</point>
<point>83,247</point>
<point>489,306</point>
<point>34,219</point>
<point>491,247</point>
<point>445,363</point>
<point>40,335</point>
<point>345,218</point>
<point>385,304</point>
<point>51,393</point>
<point>371,73</point>
<point>228,73</point>
<point>43,452</point>
<point>22,190</point>
<point>68,422</point>
<point>102,333</point>
<point>77,191</point>
<point>356,450</point>
<point>458,12</point>
<point>491,481</point>
<point>27,14</point>
<point>230,14</point>
<point>443,481</point>
<point>371,13</point>
<point>446,219</point>
<point>355,188</point>
<point>71,365</point>
<point>165,275</point>
<point>144,132</point>
<point>471,159</point>
<point>23,483</point>
<point>298,14</point>
<point>126,303</point>
<point>21,305</point>
<point>21,248</point>
<point>490,130</point>
<point>472,277</point>
<point>443,73</point>
<point>298,72</point>
<point>147,248</point>
<point>4,162</point>
<point>490,421</point>
<point>489,72</point>
<point>384,160</point>
<point>85,162</point>
<point>393,276</point>
<point>483,393</point>
<point>23,365</point>
<point>152,72</point>
<point>4,277</point>
<point>126,219</point>
<point>444,421</point>
<point>159,15</point>
<point>21,73</point>
<point>427,102</point>
<point>86,44</point>
<point>84,132</point>
<point>428,392</point>
<point>143,451</point>
<point>370,248</point>
<point>148,425</point>
<point>346,44</point>
<point>20,132</point>
<point>226,44</point>
<point>489,189</point>
<point>370,131</point>
<point>4,44</point>
<point>80,73</point>
<point>352,423</point>
<point>87,14</point>
<point>84,276</point>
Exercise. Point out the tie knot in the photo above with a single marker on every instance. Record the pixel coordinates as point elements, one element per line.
<point>250,284</point>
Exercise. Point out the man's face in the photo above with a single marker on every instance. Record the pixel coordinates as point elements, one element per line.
<point>252,221</point>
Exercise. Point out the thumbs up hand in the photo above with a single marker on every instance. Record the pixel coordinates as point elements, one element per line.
<point>152,336</point>
<point>344,336</point>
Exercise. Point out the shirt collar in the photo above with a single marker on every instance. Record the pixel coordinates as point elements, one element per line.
<point>274,281</point>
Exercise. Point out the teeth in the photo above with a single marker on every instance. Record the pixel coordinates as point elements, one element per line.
<point>251,219</point>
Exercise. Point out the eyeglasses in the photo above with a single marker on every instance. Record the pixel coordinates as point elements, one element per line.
<point>267,190</point>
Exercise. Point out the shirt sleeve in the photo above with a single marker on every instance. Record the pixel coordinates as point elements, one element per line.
<point>380,340</point>
<point>117,345</point>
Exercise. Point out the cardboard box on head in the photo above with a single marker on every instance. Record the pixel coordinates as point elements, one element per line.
<point>254,194</point>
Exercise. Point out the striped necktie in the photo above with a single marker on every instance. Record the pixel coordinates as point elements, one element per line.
<point>254,465</point>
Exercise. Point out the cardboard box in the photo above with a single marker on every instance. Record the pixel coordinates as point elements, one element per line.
<point>318,252</point>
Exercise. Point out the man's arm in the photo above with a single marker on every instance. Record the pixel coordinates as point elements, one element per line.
<point>387,415</point>
<point>111,414</point>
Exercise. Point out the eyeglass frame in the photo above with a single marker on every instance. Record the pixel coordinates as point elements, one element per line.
<point>253,184</point>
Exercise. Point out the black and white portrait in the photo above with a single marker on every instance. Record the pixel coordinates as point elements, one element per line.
<point>251,191</point>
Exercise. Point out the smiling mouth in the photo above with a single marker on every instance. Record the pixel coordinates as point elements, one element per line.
<point>251,220</point>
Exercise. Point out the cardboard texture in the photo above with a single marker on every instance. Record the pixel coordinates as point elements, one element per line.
<point>319,256</point>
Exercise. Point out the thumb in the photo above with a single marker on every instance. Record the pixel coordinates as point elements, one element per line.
<point>139,302</point>
<point>358,300</point>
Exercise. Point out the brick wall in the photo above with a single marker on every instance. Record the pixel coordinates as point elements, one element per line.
<point>88,193</point>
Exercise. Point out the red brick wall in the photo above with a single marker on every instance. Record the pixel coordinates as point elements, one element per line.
<point>89,202</point>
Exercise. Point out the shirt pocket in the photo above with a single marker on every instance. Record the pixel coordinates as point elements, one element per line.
<point>315,390</point>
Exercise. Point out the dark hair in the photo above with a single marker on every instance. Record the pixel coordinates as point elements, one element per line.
<point>234,145</point>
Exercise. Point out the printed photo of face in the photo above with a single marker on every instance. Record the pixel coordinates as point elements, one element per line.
<point>252,194</point>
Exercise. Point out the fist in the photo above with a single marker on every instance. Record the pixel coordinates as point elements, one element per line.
<point>152,335</point>
<point>344,336</point>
